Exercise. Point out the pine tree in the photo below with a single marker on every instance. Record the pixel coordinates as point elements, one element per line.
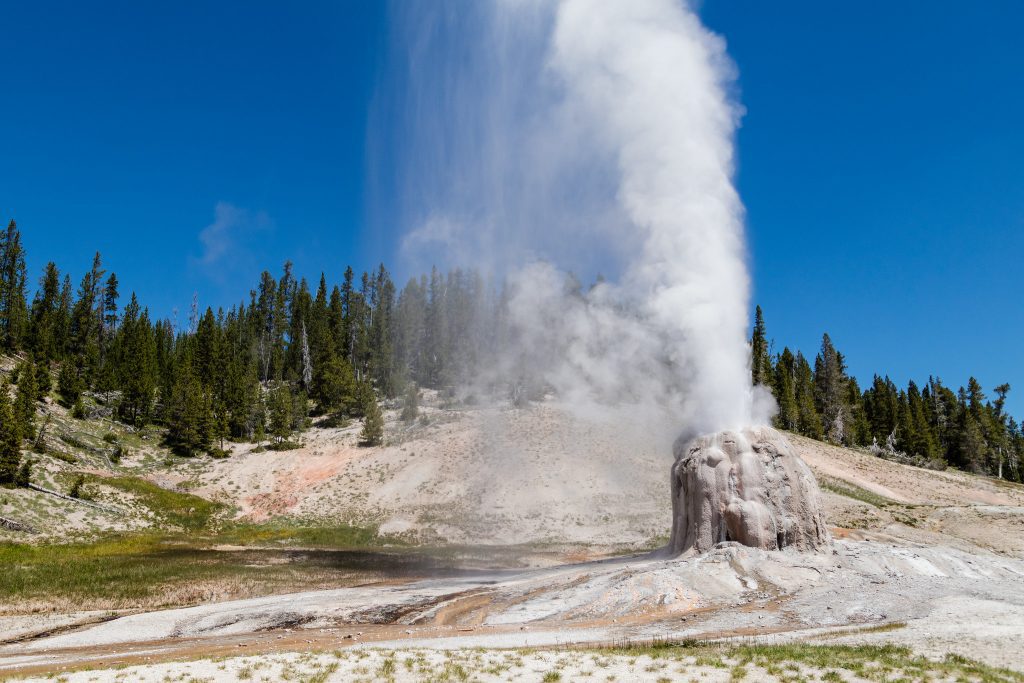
<point>373,424</point>
<point>45,327</point>
<point>760,361</point>
<point>110,297</point>
<point>136,365</point>
<point>44,381</point>
<point>349,314</point>
<point>859,431</point>
<point>919,439</point>
<point>808,418</point>
<point>190,416</point>
<point>381,334</point>
<point>24,475</point>
<point>830,391</point>
<point>784,389</point>
<point>411,406</point>
<point>25,401</point>
<point>335,387</point>
<point>280,405</point>
<point>307,360</point>
<point>69,384</point>
<point>971,446</point>
<point>13,306</point>
<point>85,329</point>
<point>300,412</point>
<point>10,438</point>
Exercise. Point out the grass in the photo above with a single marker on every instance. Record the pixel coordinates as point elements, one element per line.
<point>663,662</point>
<point>340,536</point>
<point>161,569</point>
<point>880,663</point>
<point>178,509</point>
<point>122,570</point>
<point>845,488</point>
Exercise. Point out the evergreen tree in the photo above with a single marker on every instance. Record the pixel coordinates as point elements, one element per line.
<point>831,391</point>
<point>45,328</point>
<point>44,381</point>
<point>25,401</point>
<point>10,438</point>
<point>373,424</point>
<point>85,329</point>
<point>919,439</point>
<point>136,365</point>
<point>859,431</point>
<point>190,416</point>
<point>411,405</point>
<point>760,361</point>
<point>110,297</point>
<point>335,388</point>
<point>299,412</point>
<point>808,418</point>
<point>971,447</point>
<point>69,383</point>
<point>24,475</point>
<point>13,306</point>
<point>280,404</point>
<point>381,334</point>
<point>784,389</point>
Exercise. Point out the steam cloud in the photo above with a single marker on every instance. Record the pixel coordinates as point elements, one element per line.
<point>543,138</point>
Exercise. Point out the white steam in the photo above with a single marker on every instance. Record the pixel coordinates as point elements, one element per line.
<point>587,136</point>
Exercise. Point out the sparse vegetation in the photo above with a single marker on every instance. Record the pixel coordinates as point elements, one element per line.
<point>845,488</point>
<point>178,509</point>
<point>158,569</point>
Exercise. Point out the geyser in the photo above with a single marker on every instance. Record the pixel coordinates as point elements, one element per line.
<point>546,137</point>
<point>747,486</point>
<point>577,135</point>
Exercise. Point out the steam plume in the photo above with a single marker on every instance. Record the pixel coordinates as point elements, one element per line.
<point>579,135</point>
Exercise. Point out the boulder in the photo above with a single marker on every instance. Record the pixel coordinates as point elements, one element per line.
<point>745,486</point>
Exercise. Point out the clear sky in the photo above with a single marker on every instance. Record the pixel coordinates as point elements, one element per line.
<point>196,143</point>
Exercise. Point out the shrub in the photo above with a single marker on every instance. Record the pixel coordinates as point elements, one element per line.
<point>24,475</point>
<point>78,489</point>
<point>411,409</point>
<point>69,384</point>
<point>373,425</point>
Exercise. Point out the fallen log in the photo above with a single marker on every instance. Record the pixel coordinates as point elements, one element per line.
<point>89,503</point>
<point>15,525</point>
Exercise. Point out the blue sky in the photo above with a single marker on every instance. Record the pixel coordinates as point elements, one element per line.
<point>195,144</point>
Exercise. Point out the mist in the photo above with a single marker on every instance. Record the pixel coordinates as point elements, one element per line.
<point>540,139</point>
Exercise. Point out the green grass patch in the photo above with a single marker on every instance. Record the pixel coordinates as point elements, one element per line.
<point>159,569</point>
<point>179,509</point>
<point>341,536</point>
<point>845,488</point>
<point>122,570</point>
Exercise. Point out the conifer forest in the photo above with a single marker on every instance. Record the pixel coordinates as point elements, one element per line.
<point>263,369</point>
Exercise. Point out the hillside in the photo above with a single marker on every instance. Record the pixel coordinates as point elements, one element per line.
<point>455,505</point>
<point>538,475</point>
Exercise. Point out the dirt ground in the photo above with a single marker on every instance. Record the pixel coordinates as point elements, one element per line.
<point>473,476</point>
<point>930,560</point>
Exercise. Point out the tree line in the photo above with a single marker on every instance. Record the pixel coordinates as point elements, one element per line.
<point>263,368</point>
<point>930,424</point>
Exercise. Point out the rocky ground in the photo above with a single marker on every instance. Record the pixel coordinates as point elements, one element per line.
<point>930,560</point>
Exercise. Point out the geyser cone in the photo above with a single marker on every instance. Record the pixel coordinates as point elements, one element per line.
<point>747,486</point>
